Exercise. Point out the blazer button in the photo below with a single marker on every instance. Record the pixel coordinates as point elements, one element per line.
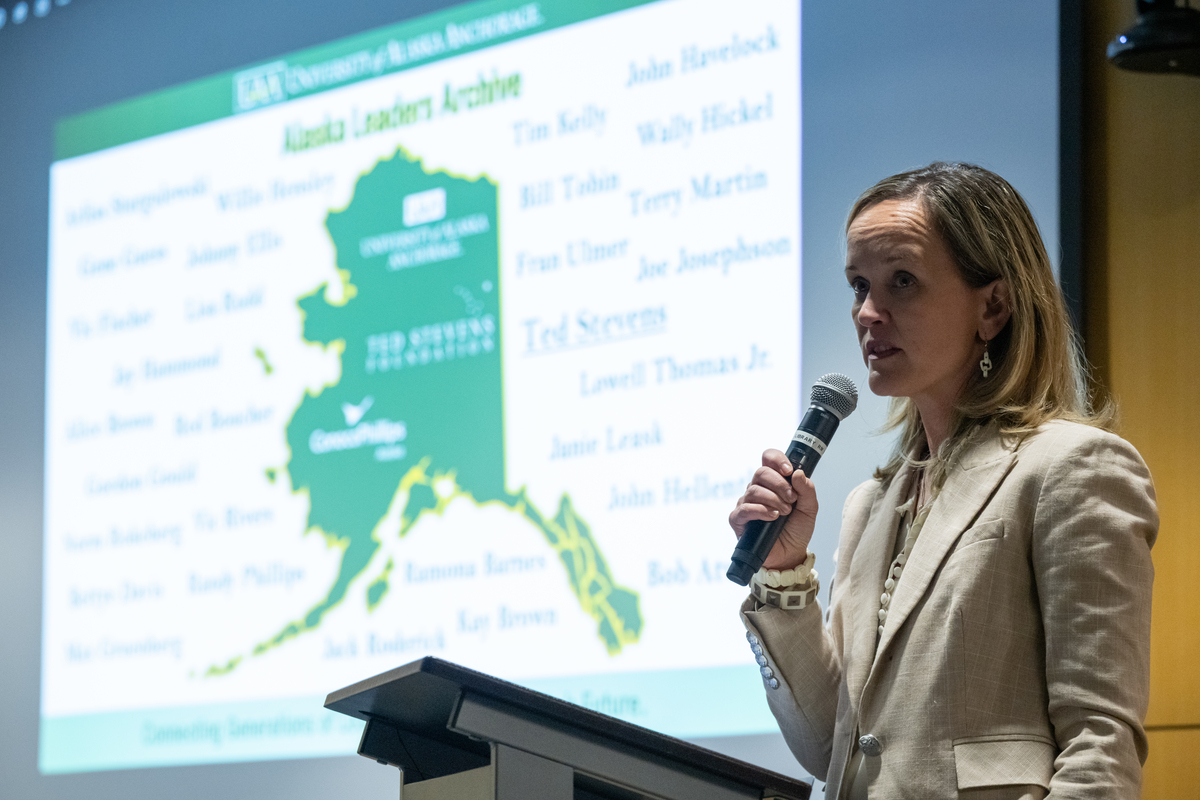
<point>870,745</point>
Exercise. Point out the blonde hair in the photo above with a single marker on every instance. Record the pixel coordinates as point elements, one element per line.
<point>1039,373</point>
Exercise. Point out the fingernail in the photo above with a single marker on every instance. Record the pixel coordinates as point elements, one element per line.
<point>774,513</point>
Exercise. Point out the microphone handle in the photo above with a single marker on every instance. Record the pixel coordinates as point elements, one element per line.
<point>805,450</point>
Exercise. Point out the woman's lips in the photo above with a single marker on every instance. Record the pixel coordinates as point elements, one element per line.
<point>877,352</point>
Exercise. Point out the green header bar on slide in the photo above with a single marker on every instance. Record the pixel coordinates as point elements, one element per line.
<point>395,48</point>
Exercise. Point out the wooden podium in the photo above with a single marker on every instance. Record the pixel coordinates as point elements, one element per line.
<point>456,733</point>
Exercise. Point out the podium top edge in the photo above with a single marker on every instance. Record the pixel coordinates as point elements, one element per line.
<point>422,695</point>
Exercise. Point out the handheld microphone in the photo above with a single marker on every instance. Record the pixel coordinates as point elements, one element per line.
<point>833,398</point>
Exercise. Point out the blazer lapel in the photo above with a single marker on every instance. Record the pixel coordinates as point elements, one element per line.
<point>868,570</point>
<point>966,491</point>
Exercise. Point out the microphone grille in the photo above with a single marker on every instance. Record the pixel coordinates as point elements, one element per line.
<point>837,393</point>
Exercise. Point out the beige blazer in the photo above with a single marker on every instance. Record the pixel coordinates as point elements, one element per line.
<point>1015,656</point>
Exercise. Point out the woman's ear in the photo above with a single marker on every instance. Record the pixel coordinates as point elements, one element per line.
<point>996,309</point>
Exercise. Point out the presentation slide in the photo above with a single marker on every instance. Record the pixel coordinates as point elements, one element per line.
<point>431,341</point>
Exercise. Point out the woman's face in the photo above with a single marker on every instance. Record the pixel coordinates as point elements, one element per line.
<point>917,319</point>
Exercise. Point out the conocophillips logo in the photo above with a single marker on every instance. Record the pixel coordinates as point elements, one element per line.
<point>260,86</point>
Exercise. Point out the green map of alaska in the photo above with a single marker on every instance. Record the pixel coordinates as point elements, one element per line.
<point>416,418</point>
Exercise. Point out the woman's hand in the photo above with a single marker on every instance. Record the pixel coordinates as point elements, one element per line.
<point>775,489</point>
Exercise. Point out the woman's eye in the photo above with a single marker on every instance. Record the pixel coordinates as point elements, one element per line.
<point>859,287</point>
<point>903,280</point>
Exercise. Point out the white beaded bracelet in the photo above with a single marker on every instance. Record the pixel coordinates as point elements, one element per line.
<point>788,577</point>
<point>790,589</point>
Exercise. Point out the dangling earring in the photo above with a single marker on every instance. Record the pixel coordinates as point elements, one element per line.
<point>985,365</point>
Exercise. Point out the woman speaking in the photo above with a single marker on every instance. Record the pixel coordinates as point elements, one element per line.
<point>989,625</point>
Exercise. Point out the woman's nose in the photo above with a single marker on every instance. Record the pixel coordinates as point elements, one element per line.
<point>868,311</point>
